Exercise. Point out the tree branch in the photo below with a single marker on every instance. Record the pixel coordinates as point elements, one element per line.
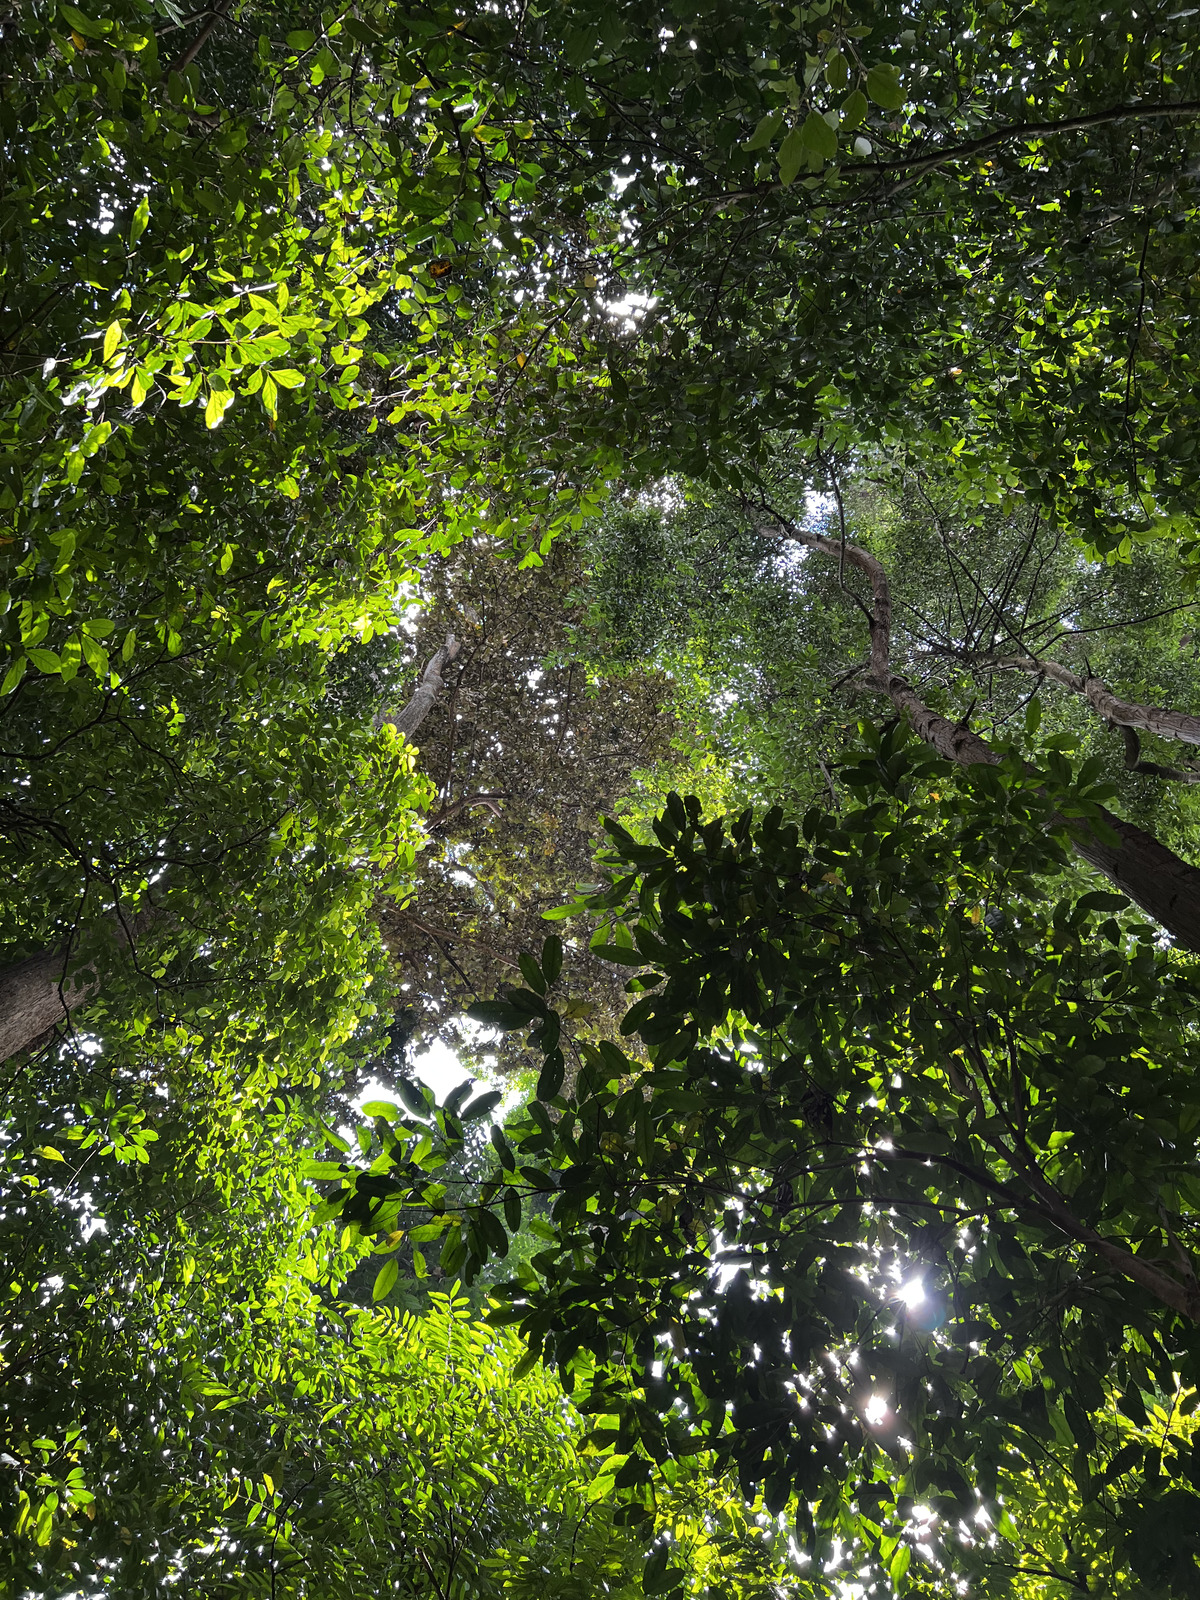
<point>466,803</point>
<point>1166,887</point>
<point>424,698</point>
<point>216,16</point>
<point>1164,722</point>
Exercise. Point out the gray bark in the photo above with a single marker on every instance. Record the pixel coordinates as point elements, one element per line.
<point>39,993</point>
<point>1167,724</point>
<point>35,995</point>
<point>425,697</point>
<point>1166,887</point>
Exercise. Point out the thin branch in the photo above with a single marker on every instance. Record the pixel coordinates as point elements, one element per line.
<point>917,165</point>
<point>216,16</point>
<point>466,803</point>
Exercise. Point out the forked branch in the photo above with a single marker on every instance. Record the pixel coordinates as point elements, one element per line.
<point>1165,886</point>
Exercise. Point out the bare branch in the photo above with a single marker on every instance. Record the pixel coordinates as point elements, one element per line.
<point>1167,724</point>
<point>422,703</point>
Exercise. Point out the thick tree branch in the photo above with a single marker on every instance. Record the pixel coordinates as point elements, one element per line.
<point>1166,887</point>
<point>1133,760</point>
<point>1164,722</point>
<point>425,697</point>
<point>206,32</point>
<point>39,993</point>
<point>490,801</point>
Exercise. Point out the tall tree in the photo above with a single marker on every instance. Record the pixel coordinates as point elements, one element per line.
<point>914,598</point>
<point>232,257</point>
<point>530,744</point>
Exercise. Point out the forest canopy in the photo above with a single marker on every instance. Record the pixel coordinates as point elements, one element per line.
<point>654,548</point>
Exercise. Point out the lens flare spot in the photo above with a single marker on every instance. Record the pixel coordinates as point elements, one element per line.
<point>876,1410</point>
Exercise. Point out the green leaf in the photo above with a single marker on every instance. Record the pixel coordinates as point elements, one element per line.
<point>322,1170</point>
<point>360,30</point>
<point>818,136</point>
<point>385,1279</point>
<point>14,675</point>
<point>550,1080</point>
<point>498,1014</point>
<point>219,401</point>
<point>426,1232</point>
<point>1102,900</point>
<point>837,71</point>
<point>532,973</point>
<point>526,1364</point>
<point>618,953</point>
<point>883,86</point>
<point>854,109</point>
<point>74,18</point>
<point>765,131</point>
<point>414,1097</point>
<point>301,39</point>
<point>44,660</point>
<point>96,656</point>
<point>560,913</point>
<point>138,225</point>
<point>552,957</point>
<point>791,156</point>
<point>380,1108</point>
<point>481,1107</point>
<point>287,377</point>
<point>112,338</point>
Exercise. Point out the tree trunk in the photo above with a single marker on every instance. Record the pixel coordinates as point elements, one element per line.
<point>35,995</point>
<point>1166,887</point>
<point>40,992</point>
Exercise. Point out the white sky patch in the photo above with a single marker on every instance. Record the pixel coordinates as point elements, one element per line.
<point>631,308</point>
<point>439,1069</point>
<point>876,1410</point>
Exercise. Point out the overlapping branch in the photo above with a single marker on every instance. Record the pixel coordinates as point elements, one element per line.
<point>1166,887</point>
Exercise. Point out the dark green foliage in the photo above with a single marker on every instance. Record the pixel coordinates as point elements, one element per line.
<point>881,1052</point>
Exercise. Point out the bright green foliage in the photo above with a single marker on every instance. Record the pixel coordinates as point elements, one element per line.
<point>880,1054</point>
<point>293,302</point>
<point>187,1405</point>
<point>254,309</point>
<point>225,840</point>
<point>315,240</point>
